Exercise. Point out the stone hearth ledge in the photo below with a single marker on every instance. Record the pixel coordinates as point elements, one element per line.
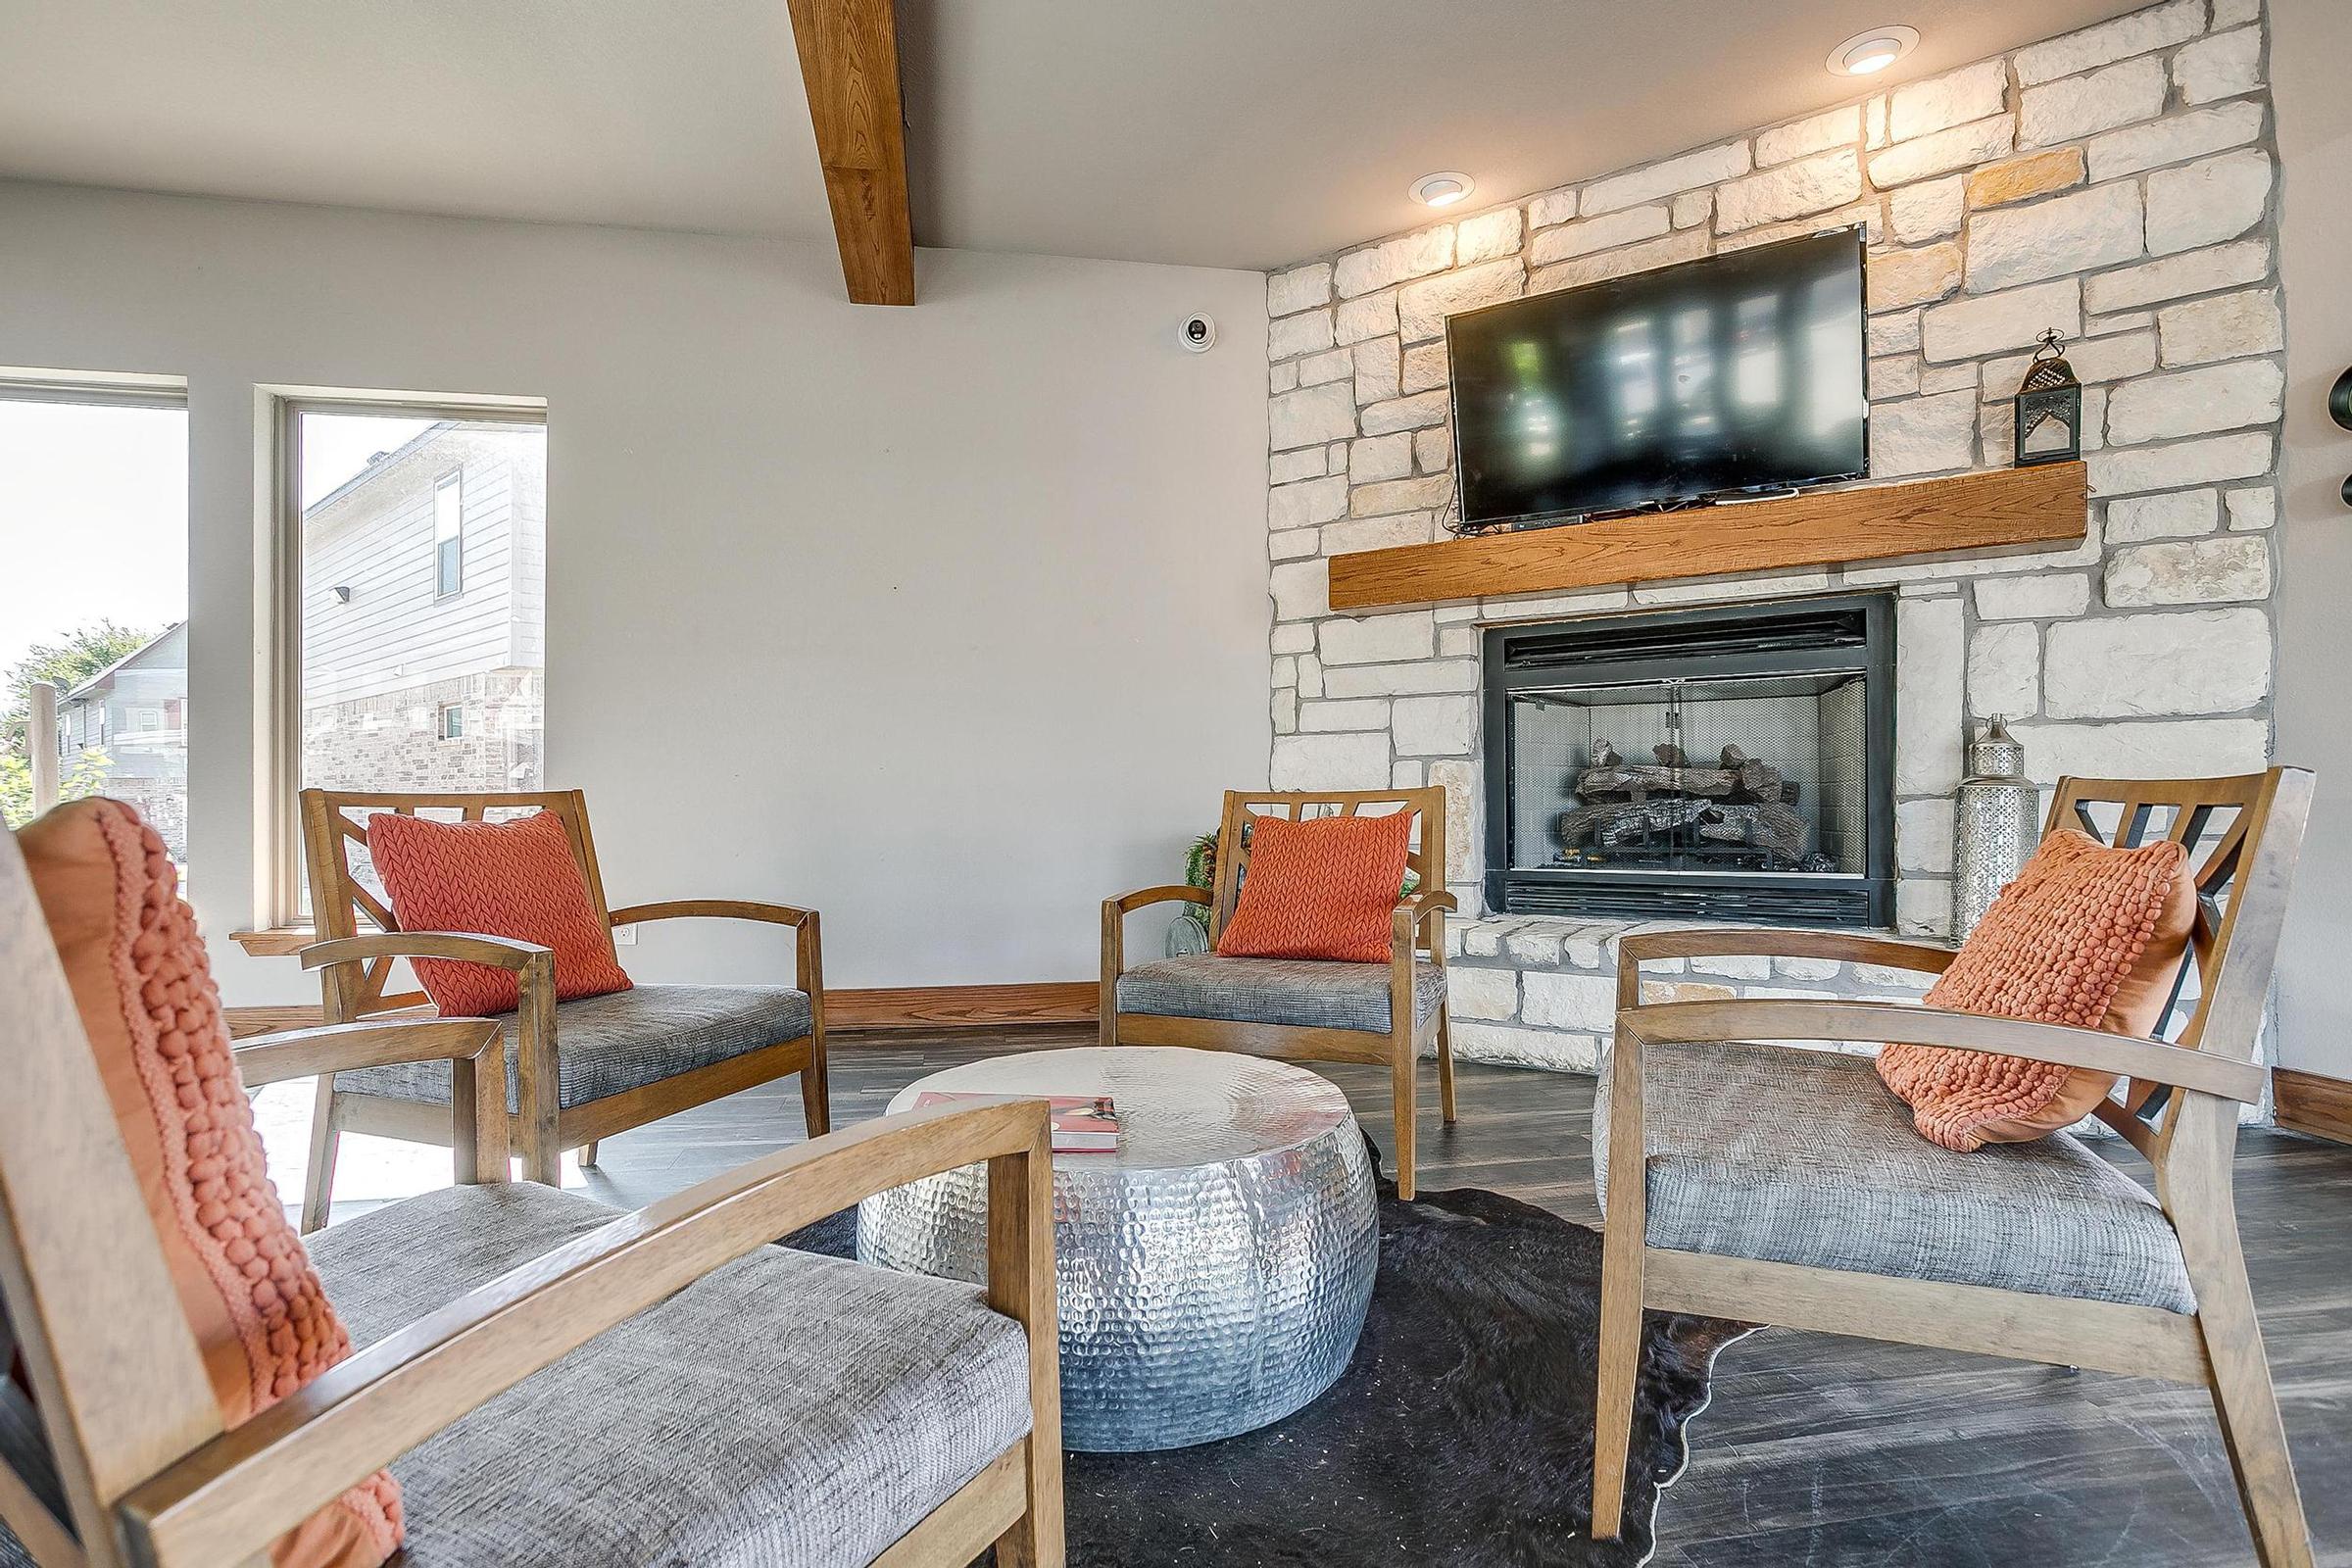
<point>1541,991</point>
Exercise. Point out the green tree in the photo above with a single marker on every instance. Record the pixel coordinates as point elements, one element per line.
<point>88,777</point>
<point>65,663</point>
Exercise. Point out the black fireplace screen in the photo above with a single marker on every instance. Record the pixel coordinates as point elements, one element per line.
<point>1707,763</point>
<point>1760,774</point>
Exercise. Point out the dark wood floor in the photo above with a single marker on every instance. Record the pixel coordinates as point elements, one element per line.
<point>1818,1450</point>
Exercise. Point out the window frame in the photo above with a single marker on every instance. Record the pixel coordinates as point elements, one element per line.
<point>441,718</point>
<point>454,583</point>
<point>115,389</point>
<point>120,391</point>
<point>282,877</point>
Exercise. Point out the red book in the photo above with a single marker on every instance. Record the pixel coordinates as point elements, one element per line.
<point>1083,1124</point>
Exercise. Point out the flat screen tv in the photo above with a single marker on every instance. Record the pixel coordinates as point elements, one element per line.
<point>1738,372</point>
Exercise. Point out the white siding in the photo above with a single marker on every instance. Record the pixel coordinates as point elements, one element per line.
<point>375,537</point>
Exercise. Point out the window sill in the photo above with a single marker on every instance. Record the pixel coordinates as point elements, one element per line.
<point>277,942</point>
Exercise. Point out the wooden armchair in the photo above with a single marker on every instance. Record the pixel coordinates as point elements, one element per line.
<point>457,1297</point>
<point>1302,1010</point>
<point>1788,1186</point>
<point>577,1071</point>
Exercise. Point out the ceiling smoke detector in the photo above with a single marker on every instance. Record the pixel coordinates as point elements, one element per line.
<point>1866,54</point>
<point>1442,190</point>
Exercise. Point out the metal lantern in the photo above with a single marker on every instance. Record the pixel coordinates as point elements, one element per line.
<point>2339,409</point>
<point>2000,823</point>
<point>2049,407</point>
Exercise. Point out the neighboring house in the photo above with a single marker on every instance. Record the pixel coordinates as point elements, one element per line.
<point>136,711</point>
<point>423,617</point>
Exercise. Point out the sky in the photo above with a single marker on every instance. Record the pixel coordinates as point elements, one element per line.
<point>337,446</point>
<point>93,520</point>
<point>94,511</point>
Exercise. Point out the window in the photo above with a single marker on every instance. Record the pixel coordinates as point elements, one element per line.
<point>94,593</point>
<point>414,566</point>
<point>449,535</point>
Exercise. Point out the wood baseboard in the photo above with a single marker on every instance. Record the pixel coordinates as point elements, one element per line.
<point>2307,1102</point>
<point>961,1007</point>
<point>892,1008</point>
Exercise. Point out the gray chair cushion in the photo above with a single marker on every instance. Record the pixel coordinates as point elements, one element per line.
<point>784,1410</point>
<point>1803,1156</point>
<point>610,1045</point>
<point>1305,992</point>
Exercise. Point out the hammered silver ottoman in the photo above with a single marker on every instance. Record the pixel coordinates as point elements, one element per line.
<point>1213,1273</point>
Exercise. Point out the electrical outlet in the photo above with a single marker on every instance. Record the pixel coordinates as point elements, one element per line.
<point>624,936</point>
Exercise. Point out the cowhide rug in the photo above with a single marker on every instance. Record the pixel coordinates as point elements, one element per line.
<point>1459,1437</point>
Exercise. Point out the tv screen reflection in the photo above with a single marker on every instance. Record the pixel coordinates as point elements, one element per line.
<point>1736,372</point>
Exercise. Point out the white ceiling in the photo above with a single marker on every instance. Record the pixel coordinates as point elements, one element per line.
<point>1221,132</point>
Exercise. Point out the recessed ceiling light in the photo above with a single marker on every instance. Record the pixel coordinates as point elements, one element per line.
<point>1442,190</point>
<point>1876,55</point>
<point>1866,54</point>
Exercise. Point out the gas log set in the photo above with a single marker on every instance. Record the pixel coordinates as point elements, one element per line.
<point>1739,813</point>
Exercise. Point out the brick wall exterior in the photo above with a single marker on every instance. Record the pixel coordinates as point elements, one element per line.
<point>390,742</point>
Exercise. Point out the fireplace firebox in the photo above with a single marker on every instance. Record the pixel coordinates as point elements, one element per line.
<point>1728,764</point>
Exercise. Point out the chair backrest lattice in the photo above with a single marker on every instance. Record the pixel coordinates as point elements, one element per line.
<point>1425,858</point>
<point>2242,834</point>
<point>334,832</point>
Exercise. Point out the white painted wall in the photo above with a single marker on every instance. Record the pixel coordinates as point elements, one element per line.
<point>947,620</point>
<point>2311,41</point>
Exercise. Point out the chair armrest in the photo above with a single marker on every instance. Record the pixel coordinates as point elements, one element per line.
<point>712,909</point>
<point>228,1499</point>
<point>1405,942</point>
<point>1129,902</point>
<point>809,960</point>
<point>1899,1023</point>
<point>464,947</point>
<point>1114,935</point>
<point>474,1048</point>
<point>1772,942</point>
<point>536,1076</point>
<point>1413,912</point>
<point>347,1047</point>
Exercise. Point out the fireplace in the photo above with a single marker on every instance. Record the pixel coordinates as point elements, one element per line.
<point>1720,764</point>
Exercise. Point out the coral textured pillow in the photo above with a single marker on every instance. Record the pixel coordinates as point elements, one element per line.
<point>145,994</point>
<point>1320,889</point>
<point>2087,935</point>
<point>516,879</point>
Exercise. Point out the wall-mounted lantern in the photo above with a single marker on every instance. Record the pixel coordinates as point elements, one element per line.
<point>2339,409</point>
<point>2049,407</point>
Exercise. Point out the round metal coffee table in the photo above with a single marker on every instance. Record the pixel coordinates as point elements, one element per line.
<point>1213,1272</point>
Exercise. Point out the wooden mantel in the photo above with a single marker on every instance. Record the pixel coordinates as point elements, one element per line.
<point>2004,508</point>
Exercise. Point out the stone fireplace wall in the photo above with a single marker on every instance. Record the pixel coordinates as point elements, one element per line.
<point>2119,183</point>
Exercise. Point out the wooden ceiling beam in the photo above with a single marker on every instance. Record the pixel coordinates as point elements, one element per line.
<point>850,62</point>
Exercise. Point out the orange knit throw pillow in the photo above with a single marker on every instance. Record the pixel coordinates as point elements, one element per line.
<point>2087,935</point>
<point>516,879</point>
<point>1320,889</point>
<point>144,991</point>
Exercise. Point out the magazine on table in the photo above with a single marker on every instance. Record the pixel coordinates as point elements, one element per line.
<point>1083,1124</point>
